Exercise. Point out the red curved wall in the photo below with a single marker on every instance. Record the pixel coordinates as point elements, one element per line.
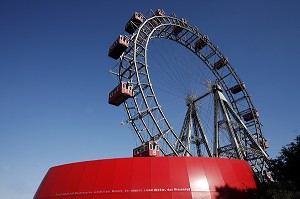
<point>159,177</point>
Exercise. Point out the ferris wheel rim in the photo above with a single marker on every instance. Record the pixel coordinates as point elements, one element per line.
<point>137,66</point>
<point>198,33</point>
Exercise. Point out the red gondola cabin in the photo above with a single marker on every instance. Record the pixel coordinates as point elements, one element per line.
<point>157,20</point>
<point>237,88</point>
<point>118,47</point>
<point>134,22</point>
<point>219,64</point>
<point>201,43</point>
<point>120,94</point>
<point>178,29</point>
<point>250,115</point>
<point>159,12</point>
<point>149,149</point>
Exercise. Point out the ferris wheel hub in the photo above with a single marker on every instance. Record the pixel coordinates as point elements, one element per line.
<point>190,99</point>
<point>216,87</point>
<point>226,97</point>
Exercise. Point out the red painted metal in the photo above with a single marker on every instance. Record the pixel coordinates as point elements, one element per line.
<point>118,47</point>
<point>120,93</point>
<point>201,43</point>
<point>250,115</point>
<point>159,12</point>
<point>221,63</point>
<point>237,88</point>
<point>148,149</point>
<point>134,22</point>
<point>149,178</point>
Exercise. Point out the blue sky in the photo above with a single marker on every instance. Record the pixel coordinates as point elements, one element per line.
<point>54,78</point>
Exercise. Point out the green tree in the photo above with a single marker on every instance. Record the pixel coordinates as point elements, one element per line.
<point>286,167</point>
<point>286,173</point>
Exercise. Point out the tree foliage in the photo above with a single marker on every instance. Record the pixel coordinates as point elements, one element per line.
<point>286,173</point>
<point>286,167</point>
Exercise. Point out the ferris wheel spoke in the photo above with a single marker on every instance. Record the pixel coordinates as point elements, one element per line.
<point>186,95</point>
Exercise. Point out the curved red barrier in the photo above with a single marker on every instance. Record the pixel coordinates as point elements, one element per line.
<point>145,177</point>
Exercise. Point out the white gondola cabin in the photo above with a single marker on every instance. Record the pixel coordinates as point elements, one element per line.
<point>118,47</point>
<point>134,22</point>
<point>148,149</point>
<point>120,94</point>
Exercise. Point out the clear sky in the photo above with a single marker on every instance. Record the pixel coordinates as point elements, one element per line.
<point>54,78</point>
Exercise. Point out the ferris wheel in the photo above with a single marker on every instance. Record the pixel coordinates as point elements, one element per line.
<point>180,91</point>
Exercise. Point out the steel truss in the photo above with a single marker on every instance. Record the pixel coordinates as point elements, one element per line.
<point>246,140</point>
